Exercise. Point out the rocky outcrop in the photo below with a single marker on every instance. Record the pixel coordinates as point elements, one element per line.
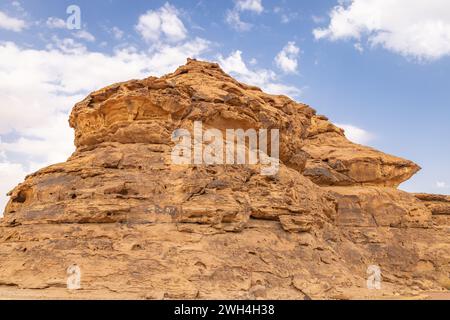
<point>139,225</point>
<point>379,207</point>
<point>439,205</point>
<point>335,161</point>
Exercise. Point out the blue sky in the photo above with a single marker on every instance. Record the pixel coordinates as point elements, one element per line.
<point>378,68</point>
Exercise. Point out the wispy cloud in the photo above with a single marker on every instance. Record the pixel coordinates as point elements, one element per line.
<point>118,34</point>
<point>56,23</point>
<point>85,35</point>
<point>286,15</point>
<point>233,18</point>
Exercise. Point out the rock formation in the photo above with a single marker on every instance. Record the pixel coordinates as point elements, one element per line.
<point>139,226</point>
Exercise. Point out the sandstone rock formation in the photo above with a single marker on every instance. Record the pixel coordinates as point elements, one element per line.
<point>139,226</point>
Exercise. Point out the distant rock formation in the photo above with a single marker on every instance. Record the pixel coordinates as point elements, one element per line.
<point>139,226</point>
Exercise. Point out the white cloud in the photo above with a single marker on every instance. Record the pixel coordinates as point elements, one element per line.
<point>355,134</point>
<point>55,23</point>
<point>233,16</point>
<point>441,185</point>
<point>10,23</point>
<point>250,5</point>
<point>155,24</point>
<point>266,79</point>
<point>85,35</point>
<point>286,59</point>
<point>412,28</point>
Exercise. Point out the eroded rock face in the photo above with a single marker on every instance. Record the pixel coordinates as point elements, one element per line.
<point>139,226</point>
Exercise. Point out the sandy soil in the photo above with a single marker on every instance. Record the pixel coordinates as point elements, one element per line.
<point>12,293</point>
